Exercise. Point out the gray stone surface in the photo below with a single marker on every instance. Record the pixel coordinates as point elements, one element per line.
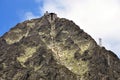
<point>53,48</point>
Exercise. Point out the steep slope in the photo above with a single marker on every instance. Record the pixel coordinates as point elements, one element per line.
<point>53,48</point>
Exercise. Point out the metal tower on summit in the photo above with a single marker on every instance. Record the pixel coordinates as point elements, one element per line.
<point>100,42</point>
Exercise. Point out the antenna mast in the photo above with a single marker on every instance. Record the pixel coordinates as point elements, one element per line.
<point>100,42</point>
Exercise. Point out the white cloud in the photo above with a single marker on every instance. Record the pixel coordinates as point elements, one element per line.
<point>29,15</point>
<point>99,18</point>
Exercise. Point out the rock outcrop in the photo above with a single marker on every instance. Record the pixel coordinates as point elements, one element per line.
<point>53,48</point>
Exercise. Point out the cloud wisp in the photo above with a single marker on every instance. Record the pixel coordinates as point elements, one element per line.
<point>99,18</point>
<point>29,15</point>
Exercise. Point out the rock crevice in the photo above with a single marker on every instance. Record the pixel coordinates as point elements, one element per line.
<point>53,48</point>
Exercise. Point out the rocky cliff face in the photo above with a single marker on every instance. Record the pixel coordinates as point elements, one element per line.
<point>53,48</point>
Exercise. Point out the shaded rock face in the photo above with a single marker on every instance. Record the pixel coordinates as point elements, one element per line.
<point>53,48</point>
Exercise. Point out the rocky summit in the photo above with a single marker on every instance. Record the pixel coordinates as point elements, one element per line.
<point>53,48</point>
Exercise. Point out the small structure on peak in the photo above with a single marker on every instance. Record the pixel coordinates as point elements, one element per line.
<point>53,16</point>
<point>50,16</point>
<point>46,13</point>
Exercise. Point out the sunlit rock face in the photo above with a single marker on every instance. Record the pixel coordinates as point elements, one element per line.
<point>53,48</point>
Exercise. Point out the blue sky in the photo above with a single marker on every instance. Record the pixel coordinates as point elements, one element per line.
<point>99,18</point>
<point>13,11</point>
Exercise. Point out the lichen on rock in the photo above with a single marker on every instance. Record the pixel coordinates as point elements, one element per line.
<point>53,48</point>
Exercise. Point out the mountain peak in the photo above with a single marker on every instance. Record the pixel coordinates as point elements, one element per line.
<point>50,16</point>
<point>53,48</point>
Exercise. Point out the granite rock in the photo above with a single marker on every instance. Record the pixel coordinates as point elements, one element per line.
<point>53,48</point>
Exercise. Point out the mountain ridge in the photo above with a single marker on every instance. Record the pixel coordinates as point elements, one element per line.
<point>53,48</point>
